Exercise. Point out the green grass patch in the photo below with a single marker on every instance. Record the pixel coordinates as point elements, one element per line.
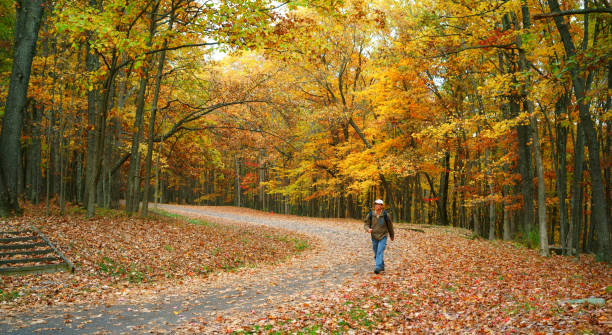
<point>311,330</point>
<point>99,212</point>
<point>520,307</point>
<point>529,239</point>
<point>360,315</point>
<point>257,329</point>
<point>197,222</point>
<point>110,267</point>
<point>114,269</point>
<point>298,243</point>
<point>8,295</point>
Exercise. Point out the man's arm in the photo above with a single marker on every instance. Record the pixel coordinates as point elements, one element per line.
<point>367,223</point>
<point>390,228</point>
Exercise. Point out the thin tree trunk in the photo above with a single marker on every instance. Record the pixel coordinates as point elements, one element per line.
<point>132,202</point>
<point>524,161</point>
<point>92,64</point>
<point>608,146</point>
<point>49,165</point>
<point>443,193</point>
<point>476,216</point>
<point>99,135</point>
<point>79,177</point>
<point>576,190</point>
<point>261,180</point>
<point>237,182</point>
<point>492,216</point>
<point>544,251</point>
<point>158,196</point>
<point>507,223</point>
<point>62,159</point>
<point>35,156</point>
<point>561,166</point>
<point>158,79</point>
<point>132,185</point>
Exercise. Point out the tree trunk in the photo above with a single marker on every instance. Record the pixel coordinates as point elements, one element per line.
<point>507,228</point>
<point>149,157</point>
<point>27,23</point>
<point>561,174</point>
<point>492,216</point>
<point>528,106</point>
<point>544,251</point>
<point>524,159</point>
<point>608,147</point>
<point>576,190</point>
<point>443,193</point>
<point>237,182</point>
<point>158,194</point>
<point>62,160</point>
<point>476,216</point>
<point>34,156</point>
<point>99,135</point>
<point>79,177</point>
<point>262,191</point>
<point>133,188</point>
<point>133,173</point>
<point>419,211</point>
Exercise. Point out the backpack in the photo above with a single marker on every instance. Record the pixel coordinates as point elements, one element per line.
<point>384,215</point>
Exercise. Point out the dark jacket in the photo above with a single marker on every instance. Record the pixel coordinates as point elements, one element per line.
<point>379,227</point>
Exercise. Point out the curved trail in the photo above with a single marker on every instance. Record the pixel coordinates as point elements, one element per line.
<point>343,252</point>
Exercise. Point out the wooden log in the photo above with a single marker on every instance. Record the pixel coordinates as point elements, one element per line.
<point>413,229</point>
<point>29,260</point>
<point>591,300</point>
<point>14,232</point>
<point>18,239</point>
<point>22,246</point>
<point>556,249</point>
<point>35,269</point>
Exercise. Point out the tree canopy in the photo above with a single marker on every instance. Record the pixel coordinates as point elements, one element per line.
<point>489,115</point>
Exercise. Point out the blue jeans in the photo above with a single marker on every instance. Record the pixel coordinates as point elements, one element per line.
<point>379,252</point>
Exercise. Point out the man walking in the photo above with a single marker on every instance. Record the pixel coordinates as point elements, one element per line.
<point>378,224</point>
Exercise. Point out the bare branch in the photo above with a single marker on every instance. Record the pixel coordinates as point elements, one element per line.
<point>181,47</point>
<point>497,46</point>
<point>573,12</point>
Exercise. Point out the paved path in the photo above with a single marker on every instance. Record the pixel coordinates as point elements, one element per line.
<point>345,253</point>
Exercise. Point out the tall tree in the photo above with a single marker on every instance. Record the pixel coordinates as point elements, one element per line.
<point>582,81</point>
<point>27,23</point>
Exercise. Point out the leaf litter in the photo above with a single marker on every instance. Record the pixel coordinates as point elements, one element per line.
<point>436,283</point>
<point>120,258</point>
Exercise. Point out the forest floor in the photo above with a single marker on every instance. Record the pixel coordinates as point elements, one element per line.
<point>242,272</point>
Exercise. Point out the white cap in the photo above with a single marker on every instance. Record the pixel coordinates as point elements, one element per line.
<point>379,201</point>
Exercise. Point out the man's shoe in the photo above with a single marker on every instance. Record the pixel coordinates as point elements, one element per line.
<point>376,271</point>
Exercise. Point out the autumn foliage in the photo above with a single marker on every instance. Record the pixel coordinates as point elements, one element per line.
<point>492,116</point>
